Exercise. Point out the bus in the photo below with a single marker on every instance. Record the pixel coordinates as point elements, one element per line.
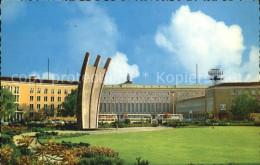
<point>161,117</point>
<point>107,118</point>
<point>136,118</point>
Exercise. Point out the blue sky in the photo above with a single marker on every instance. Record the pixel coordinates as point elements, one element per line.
<point>156,42</point>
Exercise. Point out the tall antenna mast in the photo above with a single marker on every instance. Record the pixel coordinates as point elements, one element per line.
<point>48,68</point>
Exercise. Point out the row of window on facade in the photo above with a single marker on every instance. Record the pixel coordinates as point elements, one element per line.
<point>135,98</point>
<point>45,106</point>
<point>193,104</point>
<point>189,93</point>
<point>194,116</point>
<point>16,89</point>
<point>185,97</point>
<point>45,91</point>
<point>134,107</point>
<point>188,109</point>
<point>239,92</point>
<point>45,98</point>
<point>135,93</point>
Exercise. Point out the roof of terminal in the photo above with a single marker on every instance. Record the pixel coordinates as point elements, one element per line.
<point>237,84</point>
<point>35,80</point>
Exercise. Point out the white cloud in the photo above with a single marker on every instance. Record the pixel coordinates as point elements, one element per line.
<point>97,33</point>
<point>119,68</point>
<point>12,9</point>
<point>252,65</point>
<point>195,37</point>
<point>93,32</point>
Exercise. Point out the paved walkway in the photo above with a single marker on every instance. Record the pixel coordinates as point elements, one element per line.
<point>119,130</point>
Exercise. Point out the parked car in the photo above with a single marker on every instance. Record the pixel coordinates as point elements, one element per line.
<point>70,121</point>
<point>61,122</point>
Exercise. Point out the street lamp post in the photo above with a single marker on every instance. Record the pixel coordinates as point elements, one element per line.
<point>173,102</point>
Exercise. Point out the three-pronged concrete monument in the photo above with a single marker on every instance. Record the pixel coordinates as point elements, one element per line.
<point>90,85</point>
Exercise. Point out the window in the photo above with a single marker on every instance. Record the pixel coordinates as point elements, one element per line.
<point>31,90</point>
<point>16,98</point>
<point>65,91</point>
<point>10,88</point>
<point>52,106</point>
<point>31,114</point>
<point>31,98</point>
<point>59,91</point>
<point>45,106</point>
<point>253,92</point>
<point>38,90</point>
<point>38,98</point>
<point>239,92</point>
<point>246,91</point>
<point>232,100</point>
<point>52,98</point>
<point>16,90</point>
<point>31,106</point>
<point>59,106</point>
<point>38,106</point>
<point>59,99</point>
<point>233,92</point>
<point>45,98</point>
<point>52,91</point>
<point>45,90</point>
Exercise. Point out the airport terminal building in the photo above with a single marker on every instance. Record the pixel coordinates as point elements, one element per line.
<point>33,95</point>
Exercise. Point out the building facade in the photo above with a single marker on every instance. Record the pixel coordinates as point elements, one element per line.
<point>220,98</point>
<point>192,109</point>
<point>130,98</point>
<point>35,95</point>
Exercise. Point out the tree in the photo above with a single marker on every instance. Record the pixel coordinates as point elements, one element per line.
<point>70,104</point>
<point>8,106</point>
<point>244,105</point>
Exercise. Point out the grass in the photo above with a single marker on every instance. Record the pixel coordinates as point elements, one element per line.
<point>203,145</point>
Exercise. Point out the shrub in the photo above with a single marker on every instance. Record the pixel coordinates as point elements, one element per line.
<point>6,139</point>
<point>24,150</point>
<point>68,126</point>
<point>101,160</point>
<point>103,125</point>
<point>127,121</point>
<point>12,132</point>
<point>45,135</point>
<point>97,150</point>
<point>7,127</point>
<point>120,124</point>
<point>155,124</point>
<point>33,124</point>
<point>143,162</point>
<point>71,145</point>
<point>6,154</point>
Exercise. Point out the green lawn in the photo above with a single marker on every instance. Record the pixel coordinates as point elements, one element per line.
<point>203,145</point>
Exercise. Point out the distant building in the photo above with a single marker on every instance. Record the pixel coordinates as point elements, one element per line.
<point>221,97</point>
<point>33,95</point>
<point>218,100</point>
<point>193,108</point>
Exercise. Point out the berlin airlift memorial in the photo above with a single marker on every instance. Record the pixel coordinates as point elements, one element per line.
<point>89,90</point>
